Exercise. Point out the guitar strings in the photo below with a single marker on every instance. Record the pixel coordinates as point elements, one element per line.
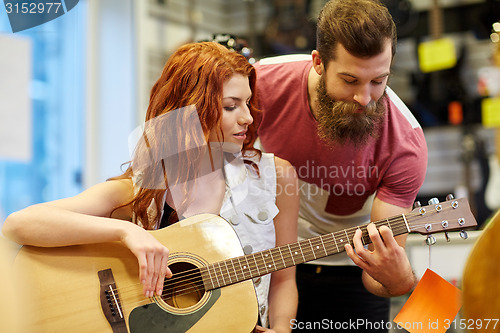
<point>187,289</point>
<point>349,232</point>
<point>285,256</point>
<point>194,283</point>
<point>365,238</point>
<point>196,288</point>
<point>396,230</point>
<point>257,258</point>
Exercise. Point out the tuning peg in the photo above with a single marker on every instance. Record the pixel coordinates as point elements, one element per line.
<point>450,197</point>
<point>433,201</point>
<point>447,236</point>
<point>417,204</point>
<point>430,240</point>
<point>463,234</point>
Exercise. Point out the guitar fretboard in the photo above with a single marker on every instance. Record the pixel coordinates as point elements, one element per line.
<point>250,266</point>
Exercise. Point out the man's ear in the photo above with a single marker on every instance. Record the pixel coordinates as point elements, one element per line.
<point>317,63</point>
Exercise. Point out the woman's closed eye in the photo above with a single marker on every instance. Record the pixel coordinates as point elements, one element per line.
<point>230,108</point>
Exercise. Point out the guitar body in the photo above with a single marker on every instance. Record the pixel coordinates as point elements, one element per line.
<point>95,288</point>
<point>65,294</point>
<point>481,303</point>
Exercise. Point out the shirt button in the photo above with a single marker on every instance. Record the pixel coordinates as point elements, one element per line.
<point>257,281</point>
<point>262,215</point>
<point>234,220</point>
<point>262,310</point>
<point>247,249</point>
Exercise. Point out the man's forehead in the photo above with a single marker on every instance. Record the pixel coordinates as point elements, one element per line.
<point>375,67</point>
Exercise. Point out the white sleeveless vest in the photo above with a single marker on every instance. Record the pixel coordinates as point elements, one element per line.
<point>250,206</point>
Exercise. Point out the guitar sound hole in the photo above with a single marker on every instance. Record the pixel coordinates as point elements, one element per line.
<point>185,287</point>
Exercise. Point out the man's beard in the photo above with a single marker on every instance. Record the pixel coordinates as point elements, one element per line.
<point>340,122</point>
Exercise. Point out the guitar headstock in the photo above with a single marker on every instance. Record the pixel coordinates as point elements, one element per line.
<point>452,214</point>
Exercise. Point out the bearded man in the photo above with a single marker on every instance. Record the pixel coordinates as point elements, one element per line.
<point>360,156</point>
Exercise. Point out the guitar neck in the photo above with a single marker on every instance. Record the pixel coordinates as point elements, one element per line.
<point>250,266</point>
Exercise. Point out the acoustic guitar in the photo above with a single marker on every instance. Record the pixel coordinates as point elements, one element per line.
<point>95,288</point>
<point>481,305</point>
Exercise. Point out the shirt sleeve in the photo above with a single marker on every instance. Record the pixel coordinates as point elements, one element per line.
<point>406,174</point>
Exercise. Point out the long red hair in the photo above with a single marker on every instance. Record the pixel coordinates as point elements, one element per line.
<point>193,76</point>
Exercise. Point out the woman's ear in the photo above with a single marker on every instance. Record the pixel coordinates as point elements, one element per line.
<point>317,63</point>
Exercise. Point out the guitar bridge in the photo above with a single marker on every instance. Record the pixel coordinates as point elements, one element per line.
<point>110,301</point>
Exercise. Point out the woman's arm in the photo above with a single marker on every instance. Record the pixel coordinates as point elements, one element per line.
<point>283,296</point>
<point>74,220</point>
<point>84,219</point>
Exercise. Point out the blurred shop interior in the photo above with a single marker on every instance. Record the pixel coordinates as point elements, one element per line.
<point>88,75</point>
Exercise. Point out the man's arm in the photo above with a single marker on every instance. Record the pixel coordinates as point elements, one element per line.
<point>386,269</point>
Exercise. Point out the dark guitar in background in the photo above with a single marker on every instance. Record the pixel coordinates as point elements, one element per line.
<point>447,97</point>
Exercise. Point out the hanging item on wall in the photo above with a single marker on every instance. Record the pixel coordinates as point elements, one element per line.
<point>438,53</point>
<point>442,98</point>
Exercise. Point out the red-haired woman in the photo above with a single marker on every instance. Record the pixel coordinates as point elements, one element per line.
<point>194,155</point>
